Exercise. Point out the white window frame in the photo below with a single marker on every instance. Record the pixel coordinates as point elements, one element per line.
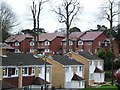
<point>17,50</point>
<point>91,76</point>
<point>80,42</point>
<point>40,70</point>
<point>48,70</point>
<point>32,43</point>
<point>47,50</point>
<point>101,63</point>
<point>47,43</point>
<point>5,72</point>
<point>23,71</point>
<point>16,72</point>
<point>33,71</point>
<point>70,43</point>
<point>64,43</point>
<point>90,63</point>
<point>106,43</point>
<point>17,44</point>
<point>80,68</point>
<point>67,69</point>
<point>31,50</point>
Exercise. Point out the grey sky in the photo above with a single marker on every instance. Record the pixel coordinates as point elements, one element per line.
<point>48,19</point>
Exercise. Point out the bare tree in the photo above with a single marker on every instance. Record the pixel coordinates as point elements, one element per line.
<point>67,12</point>
<point>8,19</point>
<point>109,11</point>
<point>36,14</point>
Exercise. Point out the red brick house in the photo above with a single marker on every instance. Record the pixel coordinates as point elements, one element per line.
<point>21,43</point>
<point>47,42</point>
<point>89,41</point>
<point>73,37</point>
<point>51,42</point>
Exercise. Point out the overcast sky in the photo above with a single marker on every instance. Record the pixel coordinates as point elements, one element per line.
<point>48,19</point>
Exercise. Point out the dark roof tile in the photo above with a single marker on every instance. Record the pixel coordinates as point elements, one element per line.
<point>49,36</point>
<point>88,55</point>
<point>39,81</point>
<point>16,59</point>
<point>65,60</point>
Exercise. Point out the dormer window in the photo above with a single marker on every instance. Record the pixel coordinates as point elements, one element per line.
<point>80,42</point>
<point>47,43</point>
<point>31,43</point>
<point>17,44</point>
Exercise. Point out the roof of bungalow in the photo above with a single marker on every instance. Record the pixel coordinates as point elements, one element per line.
<point>90,36</point>
<point>18,38</point>
<point>49,36</point>
<point>88,56</point>
<point>65,60</point>
<point>17,59</point>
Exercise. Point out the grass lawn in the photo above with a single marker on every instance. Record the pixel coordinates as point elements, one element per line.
<point>104,87</point>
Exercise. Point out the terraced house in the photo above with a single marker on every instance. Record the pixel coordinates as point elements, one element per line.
<point>89,42</point>
<point>24,70</point>
<point>66,72</point>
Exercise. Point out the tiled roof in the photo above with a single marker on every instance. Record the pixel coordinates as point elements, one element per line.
<point>18,38</point>
<point>90,36</point>
<point>74,35</point>
<point>88,55</point>
<point>49,36</point>
<point>76,78</point>
<point>39,81</point>
<point>5,46</point>
<point>6,85</point>
<point>26,81</point>
<point>65,60</point>
<point>97,70</point>
<point>15,59</point>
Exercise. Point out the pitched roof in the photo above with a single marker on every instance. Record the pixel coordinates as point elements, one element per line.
<point>49,36</point>
<point>74,35</point>
<point>65,60</point>
<point>97,70</point>
<point>6,85</point>
<point>76,78</point>
<point>15,59</point>
<point>90,36</point>
<point>18,38</point>
<point>88,55</point>
<point>5,46</point>
<point>39,81</point>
